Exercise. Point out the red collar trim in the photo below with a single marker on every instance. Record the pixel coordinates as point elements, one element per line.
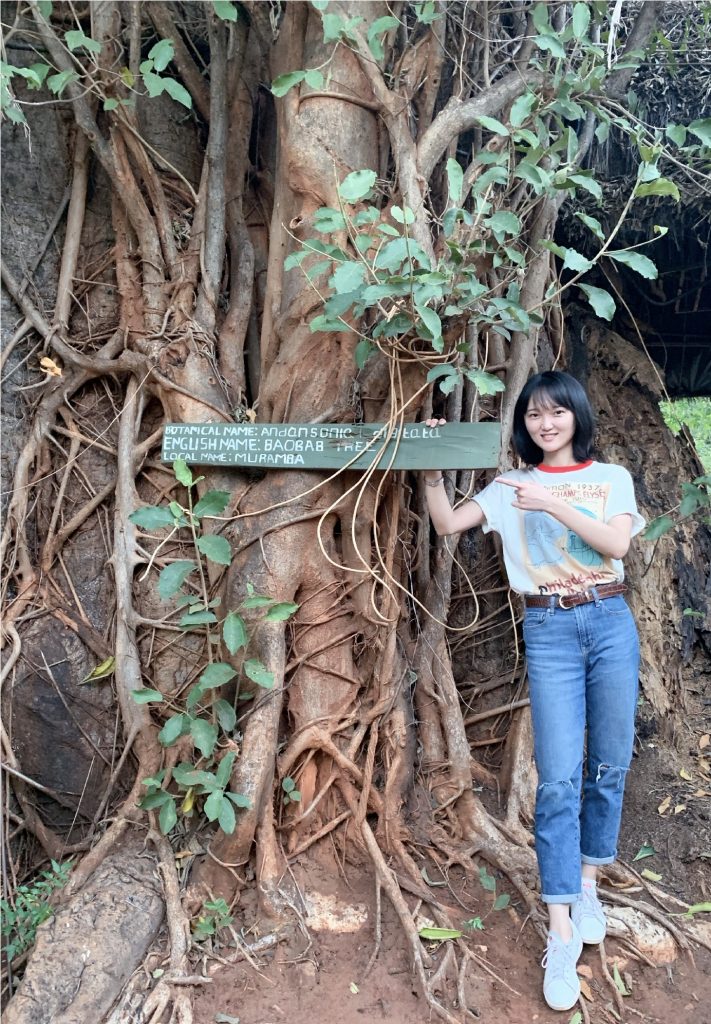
<point>564,469</point>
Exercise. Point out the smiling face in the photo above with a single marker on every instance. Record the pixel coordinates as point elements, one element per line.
<point>551,427</point>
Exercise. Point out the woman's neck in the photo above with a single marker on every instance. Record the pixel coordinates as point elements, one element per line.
<point>563,457</point>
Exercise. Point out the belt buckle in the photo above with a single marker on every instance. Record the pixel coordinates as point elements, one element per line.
<point>561,602</point>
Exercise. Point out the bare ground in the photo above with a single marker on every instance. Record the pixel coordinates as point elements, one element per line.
<point>326,982</point>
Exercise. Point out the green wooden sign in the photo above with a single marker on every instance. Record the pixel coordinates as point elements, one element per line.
<point>333,445</point>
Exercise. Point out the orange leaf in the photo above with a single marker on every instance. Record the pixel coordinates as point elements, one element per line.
<point>49,366</point>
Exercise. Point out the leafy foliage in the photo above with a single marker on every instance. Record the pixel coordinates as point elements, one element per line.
<point>209,721</point>
<point>29,907</point>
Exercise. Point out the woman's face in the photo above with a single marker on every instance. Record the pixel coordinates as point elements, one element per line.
<point>550,426</point>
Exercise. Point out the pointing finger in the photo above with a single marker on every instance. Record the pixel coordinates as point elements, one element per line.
<point>509,483</point>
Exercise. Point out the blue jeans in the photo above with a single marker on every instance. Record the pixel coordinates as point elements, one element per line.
<point>583,666</point>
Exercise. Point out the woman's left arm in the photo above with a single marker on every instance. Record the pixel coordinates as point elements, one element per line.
<point>611,539</point>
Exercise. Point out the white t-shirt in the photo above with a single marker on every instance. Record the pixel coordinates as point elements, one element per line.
<point>541,555</point>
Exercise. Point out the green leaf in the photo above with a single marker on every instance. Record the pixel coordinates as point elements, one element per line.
<point>486,880</point>
<point>433,325</point>
<point>356,185</point>
<point>600,300</point>
<point>152,800</point>
<point>173,576</point>
<point>618,981</point>
<point>146,696</point>
<point>521,108</point>
<point>75,39</point>
<point>443,370</point>
<point>225,10</point>
<point>581,20</point>
<point>168,817</point>
<point>698,908</point>
<point>178,92</point>
<point>213,503</point>
<point>503,223</point>
<point>602,132</point>
<point>362,350</point>
<point>213,804</point>
<point>258,673</point>
<point>281,611</point>
<point>328,221</point>
<point>455,179</point>
<point>485,383</point>
<point>577,1018</point>
<point>502,901</point>
<point>224,771</point>
<point>702,130</point>
<point>56,83</point>
<point>588,183</point>
<point>176,726</point>
<point>288,785</point>
<point>110,104</point>
<point>405,216</point>
<point>646,850</point>
<point>257,601</point>
<point>239,799</point>
<point>199,618</point>
<point>226,817</point>
<point>658,527</point>
<point>660,187</point>
<point>226,715</point>
<point>102,671</point>
<point>204,735</point>
<point>492,125</point>
<point>636,261</point>
<point>217,549</point>
<point>348,277</point>
<point>592,223</point>
<point>314,79</point>
<point>186,775</point>
<point>161,54</point>
<point>652,876</point>
<point>183,473</point>
<point>217,674</point>
<point>378,28</point>
<point>439,934</point>
<point>152,517</point>
<point>45,8</point>
<point>550,43</point>
<point>677,133</point>
<point>234,632</point>
<point>295,795</point>
<point>575,260</point>
<point>334,26</point>
<point>282,84</point>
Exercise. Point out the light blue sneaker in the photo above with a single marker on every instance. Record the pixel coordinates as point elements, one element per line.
<point>561,985</point>
<point>588,916</point>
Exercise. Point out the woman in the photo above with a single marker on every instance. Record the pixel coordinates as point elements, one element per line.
<point>566,522</point>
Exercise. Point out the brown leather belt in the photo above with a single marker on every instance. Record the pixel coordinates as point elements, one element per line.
<point>566,601</point>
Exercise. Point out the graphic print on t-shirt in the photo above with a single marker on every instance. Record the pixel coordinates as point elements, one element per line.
<point>559,560</point>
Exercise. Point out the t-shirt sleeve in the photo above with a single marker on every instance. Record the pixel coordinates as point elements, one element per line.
<point>489,501</point>
<point>622,501</point>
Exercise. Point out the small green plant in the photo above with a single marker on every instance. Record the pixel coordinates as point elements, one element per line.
<point>695,499</point>
<point>488,882</point>
<point>696,414</point>
<point>29,907</point>
<point>474,924</point>
<point>215,916</point>
<point>203,786</point>
<point>291,793</point>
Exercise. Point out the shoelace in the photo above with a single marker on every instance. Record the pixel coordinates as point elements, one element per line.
<point>560,956</point>
<point>591,903</point>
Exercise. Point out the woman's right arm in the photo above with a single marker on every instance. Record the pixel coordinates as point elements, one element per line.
<point>446,519</point>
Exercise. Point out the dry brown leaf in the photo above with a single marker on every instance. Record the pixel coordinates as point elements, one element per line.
<point>585,989</point>
<point>49,366</point>
<point>704,741</point>
<point>685,775</point>
<point>664,805</point>
<point>584,971</point>
<point>701,792</point>
<point>679,808</point>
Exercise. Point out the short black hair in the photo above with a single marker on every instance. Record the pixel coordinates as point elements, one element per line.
<point>556,388</point>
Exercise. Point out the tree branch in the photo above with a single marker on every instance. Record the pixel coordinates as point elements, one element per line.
<point>185,64</point>
<point>637,39</point>
<point>458,116</point>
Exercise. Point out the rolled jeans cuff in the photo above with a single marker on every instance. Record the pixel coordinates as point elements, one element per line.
<point>598,860</point>
<point>571,897</point>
